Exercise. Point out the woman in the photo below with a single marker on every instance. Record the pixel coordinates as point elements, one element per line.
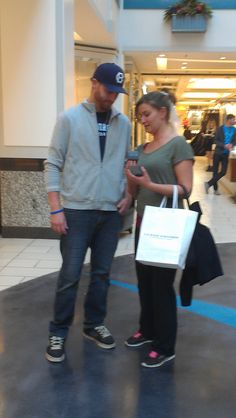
<point>164,161</point>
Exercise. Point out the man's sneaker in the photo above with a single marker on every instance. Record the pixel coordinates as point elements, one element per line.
<point>206,185</point>
<point>136,340</point>
<point>154,359</point>
<point>101,335</point>
<point>217,193</point>
<point>55,350</point>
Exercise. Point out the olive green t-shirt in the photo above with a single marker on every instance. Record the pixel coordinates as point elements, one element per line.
<point>160,167</point>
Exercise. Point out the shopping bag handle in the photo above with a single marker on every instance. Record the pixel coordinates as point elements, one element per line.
<point>174,199</point>
<point>195,206</point>
<point>186,194</point>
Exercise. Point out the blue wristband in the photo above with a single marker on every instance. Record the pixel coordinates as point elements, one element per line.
<point>56,211</point>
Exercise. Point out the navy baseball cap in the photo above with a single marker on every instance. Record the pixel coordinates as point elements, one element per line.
<point>111,76</point>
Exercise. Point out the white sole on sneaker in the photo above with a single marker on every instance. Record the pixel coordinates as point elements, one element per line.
<point>138,344</point>
<point>99,344</point>
<point>55,359</point>
<point>159,364</point>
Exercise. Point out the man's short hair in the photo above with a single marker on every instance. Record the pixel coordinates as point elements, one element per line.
<point>230,116</point>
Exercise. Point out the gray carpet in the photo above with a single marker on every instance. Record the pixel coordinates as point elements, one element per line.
<point>95,383</point>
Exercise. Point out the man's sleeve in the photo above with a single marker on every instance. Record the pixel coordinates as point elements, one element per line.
<point>57,154</point>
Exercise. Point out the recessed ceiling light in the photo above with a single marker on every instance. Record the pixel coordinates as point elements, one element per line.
<point>183,67</point>
<point>222,58</point>
<point>184,63</point>
<point>161,55</point>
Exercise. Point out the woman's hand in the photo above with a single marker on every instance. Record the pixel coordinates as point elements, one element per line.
<point>143,180</point>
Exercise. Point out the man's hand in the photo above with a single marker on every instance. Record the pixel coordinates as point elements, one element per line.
<point>124,204</point>
<point>229,147</point>
<point>58,223</point>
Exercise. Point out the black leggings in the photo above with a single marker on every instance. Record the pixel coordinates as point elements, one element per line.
<point>158,316</point>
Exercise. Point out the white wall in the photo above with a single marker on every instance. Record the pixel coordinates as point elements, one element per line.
<point>37,72</point>
<point>28,70</point>
<point>65,59</point>
<point>145,30</point>
<point>107,11</point>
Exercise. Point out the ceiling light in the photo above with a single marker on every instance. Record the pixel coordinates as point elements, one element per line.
<point>149,83</point>
<point>77,37</point>
<point>200,95</point>
<point>184,63</point>
<point>193,102</point>
<point>183,67</point>
<point>161,63</point>
<point>212,83</point>
<point>222,58</point>
<point>161,55</point>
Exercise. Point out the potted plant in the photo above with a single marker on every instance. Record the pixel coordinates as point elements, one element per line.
<point>188,16</point>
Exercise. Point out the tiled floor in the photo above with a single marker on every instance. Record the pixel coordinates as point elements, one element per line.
<point>27,259</point>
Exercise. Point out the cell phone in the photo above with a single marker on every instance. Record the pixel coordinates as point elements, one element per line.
<point>133,155</point>
<point>136,170</point>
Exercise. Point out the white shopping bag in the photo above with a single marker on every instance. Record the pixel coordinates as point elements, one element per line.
<point>165,235</point>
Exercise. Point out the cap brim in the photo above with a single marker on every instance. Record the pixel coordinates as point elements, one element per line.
<point>115,89</point>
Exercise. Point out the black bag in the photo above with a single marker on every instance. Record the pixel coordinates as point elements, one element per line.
<point>203,262</point>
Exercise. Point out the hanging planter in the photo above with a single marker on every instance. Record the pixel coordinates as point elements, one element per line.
<point>188,16</point>
<point>197,23</point>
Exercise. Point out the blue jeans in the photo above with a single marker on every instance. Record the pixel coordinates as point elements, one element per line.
<point>98,230</point>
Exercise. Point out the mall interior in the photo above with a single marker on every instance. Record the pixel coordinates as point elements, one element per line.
<point>48,51</point>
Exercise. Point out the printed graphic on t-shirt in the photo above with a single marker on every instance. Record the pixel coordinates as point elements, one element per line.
<point>102,129</point>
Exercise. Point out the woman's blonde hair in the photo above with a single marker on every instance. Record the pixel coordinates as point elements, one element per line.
<point>158,100</point>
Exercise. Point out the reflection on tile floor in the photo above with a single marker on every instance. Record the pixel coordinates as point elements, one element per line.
<point>27,259</point>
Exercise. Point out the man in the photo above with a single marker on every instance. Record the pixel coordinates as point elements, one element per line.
<point>86,192</point>
<point>225,140</point>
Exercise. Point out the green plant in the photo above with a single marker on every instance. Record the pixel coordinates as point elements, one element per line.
<point>187,8</point>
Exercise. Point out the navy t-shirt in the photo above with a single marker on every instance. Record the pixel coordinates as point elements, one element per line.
<point>103,125</point>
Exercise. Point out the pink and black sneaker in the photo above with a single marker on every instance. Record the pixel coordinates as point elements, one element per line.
<point>137,340</point>
<point>154,359</point>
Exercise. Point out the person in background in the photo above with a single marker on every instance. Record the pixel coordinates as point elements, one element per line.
<point>209,138</point>
<point>85,182</point>
<point>187,133</point>
<point>165,161</point>
<point>225,140</point>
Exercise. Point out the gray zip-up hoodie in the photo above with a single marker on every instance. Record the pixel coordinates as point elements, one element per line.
<point>74,167</point>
